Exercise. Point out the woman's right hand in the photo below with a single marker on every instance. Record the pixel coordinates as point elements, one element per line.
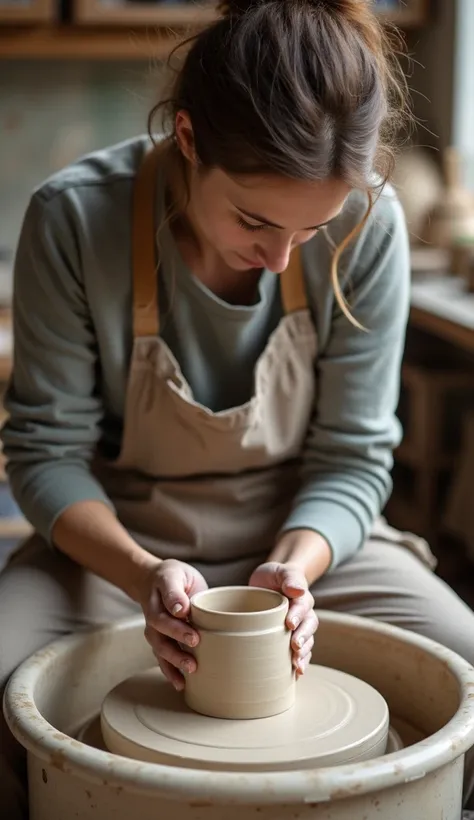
<point>164,599</point>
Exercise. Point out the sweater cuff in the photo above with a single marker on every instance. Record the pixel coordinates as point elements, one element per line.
<point>336,524</point>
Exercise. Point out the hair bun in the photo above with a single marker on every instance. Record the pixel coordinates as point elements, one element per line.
<point>231,8</point>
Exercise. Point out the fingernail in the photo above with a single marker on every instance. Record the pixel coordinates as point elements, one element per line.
<point>294,622</point>
<point>177,608</point>
<point>190,639</point>
<point>178,686</point>
<point>300,641</point>
<point>187,666</point>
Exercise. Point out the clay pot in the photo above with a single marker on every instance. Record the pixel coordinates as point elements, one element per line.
<point>243,656</point>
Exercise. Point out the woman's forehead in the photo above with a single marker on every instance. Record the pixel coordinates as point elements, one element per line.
<point>284,202</point>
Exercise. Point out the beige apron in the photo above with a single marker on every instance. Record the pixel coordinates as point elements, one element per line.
<point>194,484</point>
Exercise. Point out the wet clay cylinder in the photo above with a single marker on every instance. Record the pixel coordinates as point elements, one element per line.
<point>244,668</point>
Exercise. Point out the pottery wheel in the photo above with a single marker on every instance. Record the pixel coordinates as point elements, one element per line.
<point>336,719</point>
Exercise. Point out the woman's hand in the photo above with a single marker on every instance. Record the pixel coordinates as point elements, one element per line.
<point>301,619</point>
<point>164,599</point>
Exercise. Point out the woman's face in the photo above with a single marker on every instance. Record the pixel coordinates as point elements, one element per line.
<point>256,221</point>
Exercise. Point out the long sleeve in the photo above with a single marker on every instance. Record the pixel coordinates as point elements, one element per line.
<point>53,402</point>
<point>347,458</point>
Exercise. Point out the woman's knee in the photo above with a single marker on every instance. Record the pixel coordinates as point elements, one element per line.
<point>387,582</point>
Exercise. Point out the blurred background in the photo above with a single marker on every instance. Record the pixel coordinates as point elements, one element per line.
<point>78,75</point>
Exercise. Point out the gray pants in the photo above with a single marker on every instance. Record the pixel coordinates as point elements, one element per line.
<point>44,595</point>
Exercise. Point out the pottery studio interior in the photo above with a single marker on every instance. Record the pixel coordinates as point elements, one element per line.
<point>237,409</point>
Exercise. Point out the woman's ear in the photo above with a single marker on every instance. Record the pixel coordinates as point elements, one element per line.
<point>185,137</point>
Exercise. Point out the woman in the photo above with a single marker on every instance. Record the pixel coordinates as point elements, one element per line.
<point>208,336</point>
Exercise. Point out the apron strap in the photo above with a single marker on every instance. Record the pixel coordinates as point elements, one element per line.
<point>146,321</point>
<point>292,284</point>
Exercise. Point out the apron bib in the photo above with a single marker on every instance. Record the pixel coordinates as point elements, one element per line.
<point>194,484</point>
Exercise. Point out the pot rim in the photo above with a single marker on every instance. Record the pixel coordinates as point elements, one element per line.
<point>195,599</point>
<point>57,750</point>
<point>206,616</point>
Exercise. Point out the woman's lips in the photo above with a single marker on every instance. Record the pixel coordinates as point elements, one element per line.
<point>250,263</point>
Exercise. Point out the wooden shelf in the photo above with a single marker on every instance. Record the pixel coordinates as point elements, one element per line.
<point>96,13</point>
<point>73,43</point>
<point>99,37</point>
<point>37,11</point>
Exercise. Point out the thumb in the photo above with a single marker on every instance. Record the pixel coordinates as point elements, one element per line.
<point>172,585</point>
<point>293,583</point>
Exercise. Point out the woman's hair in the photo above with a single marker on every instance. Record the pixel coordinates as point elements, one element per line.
<point>307,89</point>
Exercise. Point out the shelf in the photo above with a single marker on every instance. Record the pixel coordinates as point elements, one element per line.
<point>71,43</point>
<point>36,11</point>
<point>99,37</point>
<point>96,13</point>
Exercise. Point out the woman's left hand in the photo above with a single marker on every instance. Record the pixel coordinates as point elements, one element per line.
<point>301,619</point>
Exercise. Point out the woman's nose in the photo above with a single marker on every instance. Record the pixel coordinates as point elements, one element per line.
<point>276,257</point>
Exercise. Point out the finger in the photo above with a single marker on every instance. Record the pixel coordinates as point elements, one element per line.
<point>299,610</point>
<point>303,665</point>
<point>306,630</point>
<point>172,674</point>
<point>305,650</point>
<point>170,651</point>
<point>171,585</point>
<point>173,628</point>
<point>159,644</point>
<point>266,576</point>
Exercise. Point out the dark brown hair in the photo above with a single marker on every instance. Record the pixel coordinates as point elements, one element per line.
<point>303,88</point>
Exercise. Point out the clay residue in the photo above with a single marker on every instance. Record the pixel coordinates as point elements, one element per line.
<point>58,760</point>
<point>48,653</point>
<point>342,794</point>
<point>60,736</point>
<point>22,702</point>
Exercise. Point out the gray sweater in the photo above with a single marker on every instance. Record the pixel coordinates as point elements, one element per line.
<point>73,337</point>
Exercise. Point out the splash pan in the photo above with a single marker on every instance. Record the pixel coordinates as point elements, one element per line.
<point>54,706</point>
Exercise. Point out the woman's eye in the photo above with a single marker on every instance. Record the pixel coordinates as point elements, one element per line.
<point>248,227</point>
